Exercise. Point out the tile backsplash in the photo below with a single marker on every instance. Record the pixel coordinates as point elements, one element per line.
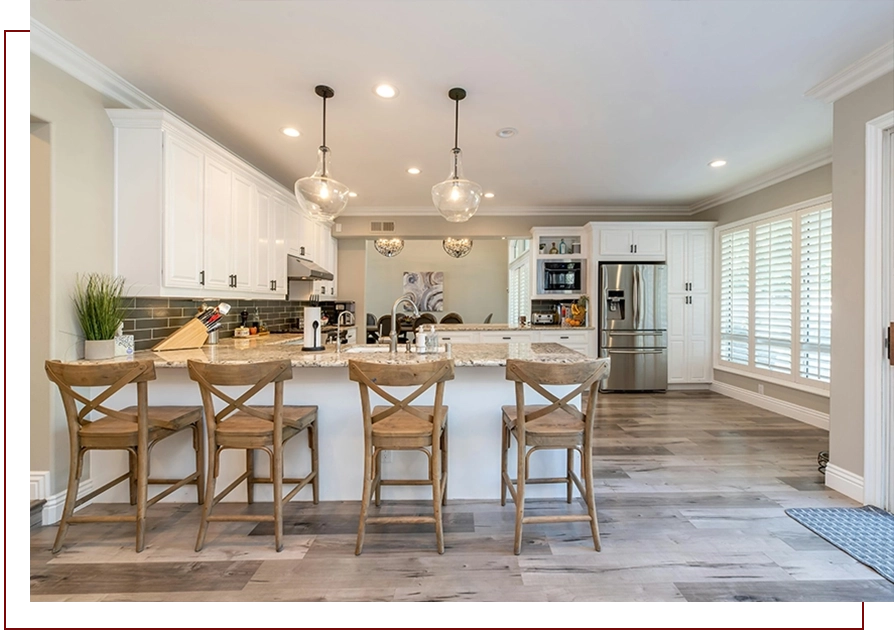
<point>151,319</point>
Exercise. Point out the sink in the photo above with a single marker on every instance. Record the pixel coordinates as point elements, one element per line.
<point>369,348</point>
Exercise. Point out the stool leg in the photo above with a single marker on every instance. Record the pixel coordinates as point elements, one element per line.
<point>504,465</point>
<point>364,501</point>
<point>587,468</point>
<point>277,490</point>
<point>214,455</point>
<point>142,492</point>
<point>436,493</point>
<point>250,468</point>
<point>444,466</point>
<point>569,465</point>
<point>71,494</point>
<point>520,496</point>
<point>313,443</point>
<point>378,473</point>
<point>132,480</point>
<point>198,443</point>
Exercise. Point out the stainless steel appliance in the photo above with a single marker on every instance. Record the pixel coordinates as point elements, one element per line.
<point>633,326</point>
<point>561,277</point>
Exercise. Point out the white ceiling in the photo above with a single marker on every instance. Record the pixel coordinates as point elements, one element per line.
<point>616,102</point>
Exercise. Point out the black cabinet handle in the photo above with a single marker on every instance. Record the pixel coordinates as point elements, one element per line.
<point>634,248</point>
<point>507,337</point>
<point>235,281</point>
<point>202,278</point>
<point>301,250</point>
<point>631,248</point>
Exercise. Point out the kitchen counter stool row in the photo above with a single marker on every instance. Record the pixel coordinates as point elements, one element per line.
<point>231,423</point>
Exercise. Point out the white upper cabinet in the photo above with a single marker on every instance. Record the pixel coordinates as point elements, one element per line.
<point>622,242</point>
<point>688,260</point>
<point>183,167</point>
<point>191,216</point>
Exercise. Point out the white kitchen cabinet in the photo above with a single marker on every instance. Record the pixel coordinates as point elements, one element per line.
<point>218,225</point>
<point>183,168</point>
<point>689,260</point>
<point>302,233</point>
<point>459,337</point>
<point>187,214</point>
<point>509,336</point>
<point>631,243</point>
<point>577,341</point>
<point>689,338</point>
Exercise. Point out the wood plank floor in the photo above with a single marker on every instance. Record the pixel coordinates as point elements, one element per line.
<point>691,492</point>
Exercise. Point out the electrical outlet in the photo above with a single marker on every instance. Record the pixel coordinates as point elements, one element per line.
<point>760,388</point>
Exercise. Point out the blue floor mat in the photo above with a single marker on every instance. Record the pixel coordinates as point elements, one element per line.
<point>865,533</point>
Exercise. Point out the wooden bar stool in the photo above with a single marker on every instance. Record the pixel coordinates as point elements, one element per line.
<point>134,429</point>
<point>403,426</point>
<point>250,427</point>
<point>557,425</point>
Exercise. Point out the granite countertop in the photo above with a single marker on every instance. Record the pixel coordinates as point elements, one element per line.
<point>471,327</point>
<point>272,347</point>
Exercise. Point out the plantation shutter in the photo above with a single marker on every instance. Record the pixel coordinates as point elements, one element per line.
<point>734,295</point>
<point>773,243</point>
<point>816,295</point>
<point>519,290</point>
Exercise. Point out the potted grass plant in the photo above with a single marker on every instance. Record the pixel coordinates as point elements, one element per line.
<point>99,303</point>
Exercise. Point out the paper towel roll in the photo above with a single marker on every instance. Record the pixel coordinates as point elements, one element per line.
<point>313,326</point>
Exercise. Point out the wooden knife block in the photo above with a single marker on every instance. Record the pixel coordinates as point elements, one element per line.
<point>190,335</point>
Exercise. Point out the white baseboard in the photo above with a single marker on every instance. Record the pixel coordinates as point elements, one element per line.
<point>52,510</point>
<point>798,412</point>
<point>844,481</point>
<point>688,386</point>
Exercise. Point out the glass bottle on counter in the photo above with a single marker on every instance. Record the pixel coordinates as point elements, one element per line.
<point>563,248</point>
<point>553,249</point>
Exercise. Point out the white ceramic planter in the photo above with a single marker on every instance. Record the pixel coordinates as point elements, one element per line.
<point>103,349</point>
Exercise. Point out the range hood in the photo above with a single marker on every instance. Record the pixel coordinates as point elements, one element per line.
<point>299,269</point>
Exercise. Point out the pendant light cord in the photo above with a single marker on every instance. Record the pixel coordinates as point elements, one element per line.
<point>324,148</point>
<point>456,142</point>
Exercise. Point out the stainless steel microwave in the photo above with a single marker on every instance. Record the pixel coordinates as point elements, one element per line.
<point>561,277</point>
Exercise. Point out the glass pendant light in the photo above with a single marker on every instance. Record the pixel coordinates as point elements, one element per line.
<point>456,198</point>
<point>320,195</point>
<point>457,247</point>
<point>389,247</point>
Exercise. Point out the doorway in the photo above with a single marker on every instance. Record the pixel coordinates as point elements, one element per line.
<point>878,473</point>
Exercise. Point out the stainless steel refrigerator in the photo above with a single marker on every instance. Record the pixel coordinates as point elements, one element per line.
<point>633,326</point>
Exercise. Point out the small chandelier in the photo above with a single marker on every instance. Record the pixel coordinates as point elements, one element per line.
<point>389,247</point>
<point>320,195</point>
<point>456,198</point>
<point>457,247</point>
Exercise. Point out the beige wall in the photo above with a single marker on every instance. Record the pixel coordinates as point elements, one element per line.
<point>474,285</point>
<point>40,296</point>
<point>816,182</point>
<point>352,278</point>
<point>850,115</point>
<point>80,227</point>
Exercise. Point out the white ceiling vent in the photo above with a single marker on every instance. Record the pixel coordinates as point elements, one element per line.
<point>381,227</point>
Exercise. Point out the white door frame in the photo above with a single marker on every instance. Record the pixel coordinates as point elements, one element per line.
<point>878,431</point>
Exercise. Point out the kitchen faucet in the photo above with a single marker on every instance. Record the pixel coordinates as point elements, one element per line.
<point>349,321</point>
<point>392,336</point>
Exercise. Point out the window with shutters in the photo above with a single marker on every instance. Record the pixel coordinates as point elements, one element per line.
<point>775,295</point>
<point>519,281</point>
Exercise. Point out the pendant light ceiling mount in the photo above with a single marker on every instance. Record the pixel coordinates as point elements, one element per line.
<point>321,195</point>
<point>456,198</point>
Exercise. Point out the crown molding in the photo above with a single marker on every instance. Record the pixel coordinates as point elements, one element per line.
<point>593,210</point>
<point>818,159</point>
<point>855,76</point>
<point>61,53</point>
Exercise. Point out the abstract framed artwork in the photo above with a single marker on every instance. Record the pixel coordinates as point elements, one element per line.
<point>427,289</point>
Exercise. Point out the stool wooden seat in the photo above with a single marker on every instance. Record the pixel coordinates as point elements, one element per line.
<point>135,429</point>
<point>556,425</point>
<point>237,425</point>
<point>403,426</point>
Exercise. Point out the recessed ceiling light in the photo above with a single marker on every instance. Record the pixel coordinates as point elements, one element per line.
<point>352,194</point>
<point>291,132</point>
<point>489,195</point>
<point>506,133</point>
<point>717,163</point>
<point>414,171</point>
<point>386,91</point>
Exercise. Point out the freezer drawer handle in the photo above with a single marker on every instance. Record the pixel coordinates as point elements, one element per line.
<point>610,352</point>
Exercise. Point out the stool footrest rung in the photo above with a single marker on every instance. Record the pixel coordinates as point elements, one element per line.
<point>401,519</point>
<point>553,519</point>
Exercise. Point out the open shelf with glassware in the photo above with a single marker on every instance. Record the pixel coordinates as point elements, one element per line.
<point>559,242</point>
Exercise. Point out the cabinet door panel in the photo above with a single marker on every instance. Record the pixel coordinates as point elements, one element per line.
<point>244,228</point>
<point>677,276</point>
<point>218,224</point>
<point>649,242</point>
<point>184,200</point>
<point>615,242</point>
<point>507,337</point>
<point>677,309</point>
<point>279,263</point>
<point>458,337</point>
<point>677,312</point>
<point>698,370</point>
<point>261,274</point>
<point>698,333</point>
<point>699,274</point>
<point>676,361</point>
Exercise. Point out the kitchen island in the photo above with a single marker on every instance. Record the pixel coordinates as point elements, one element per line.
<point>474,398</point>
